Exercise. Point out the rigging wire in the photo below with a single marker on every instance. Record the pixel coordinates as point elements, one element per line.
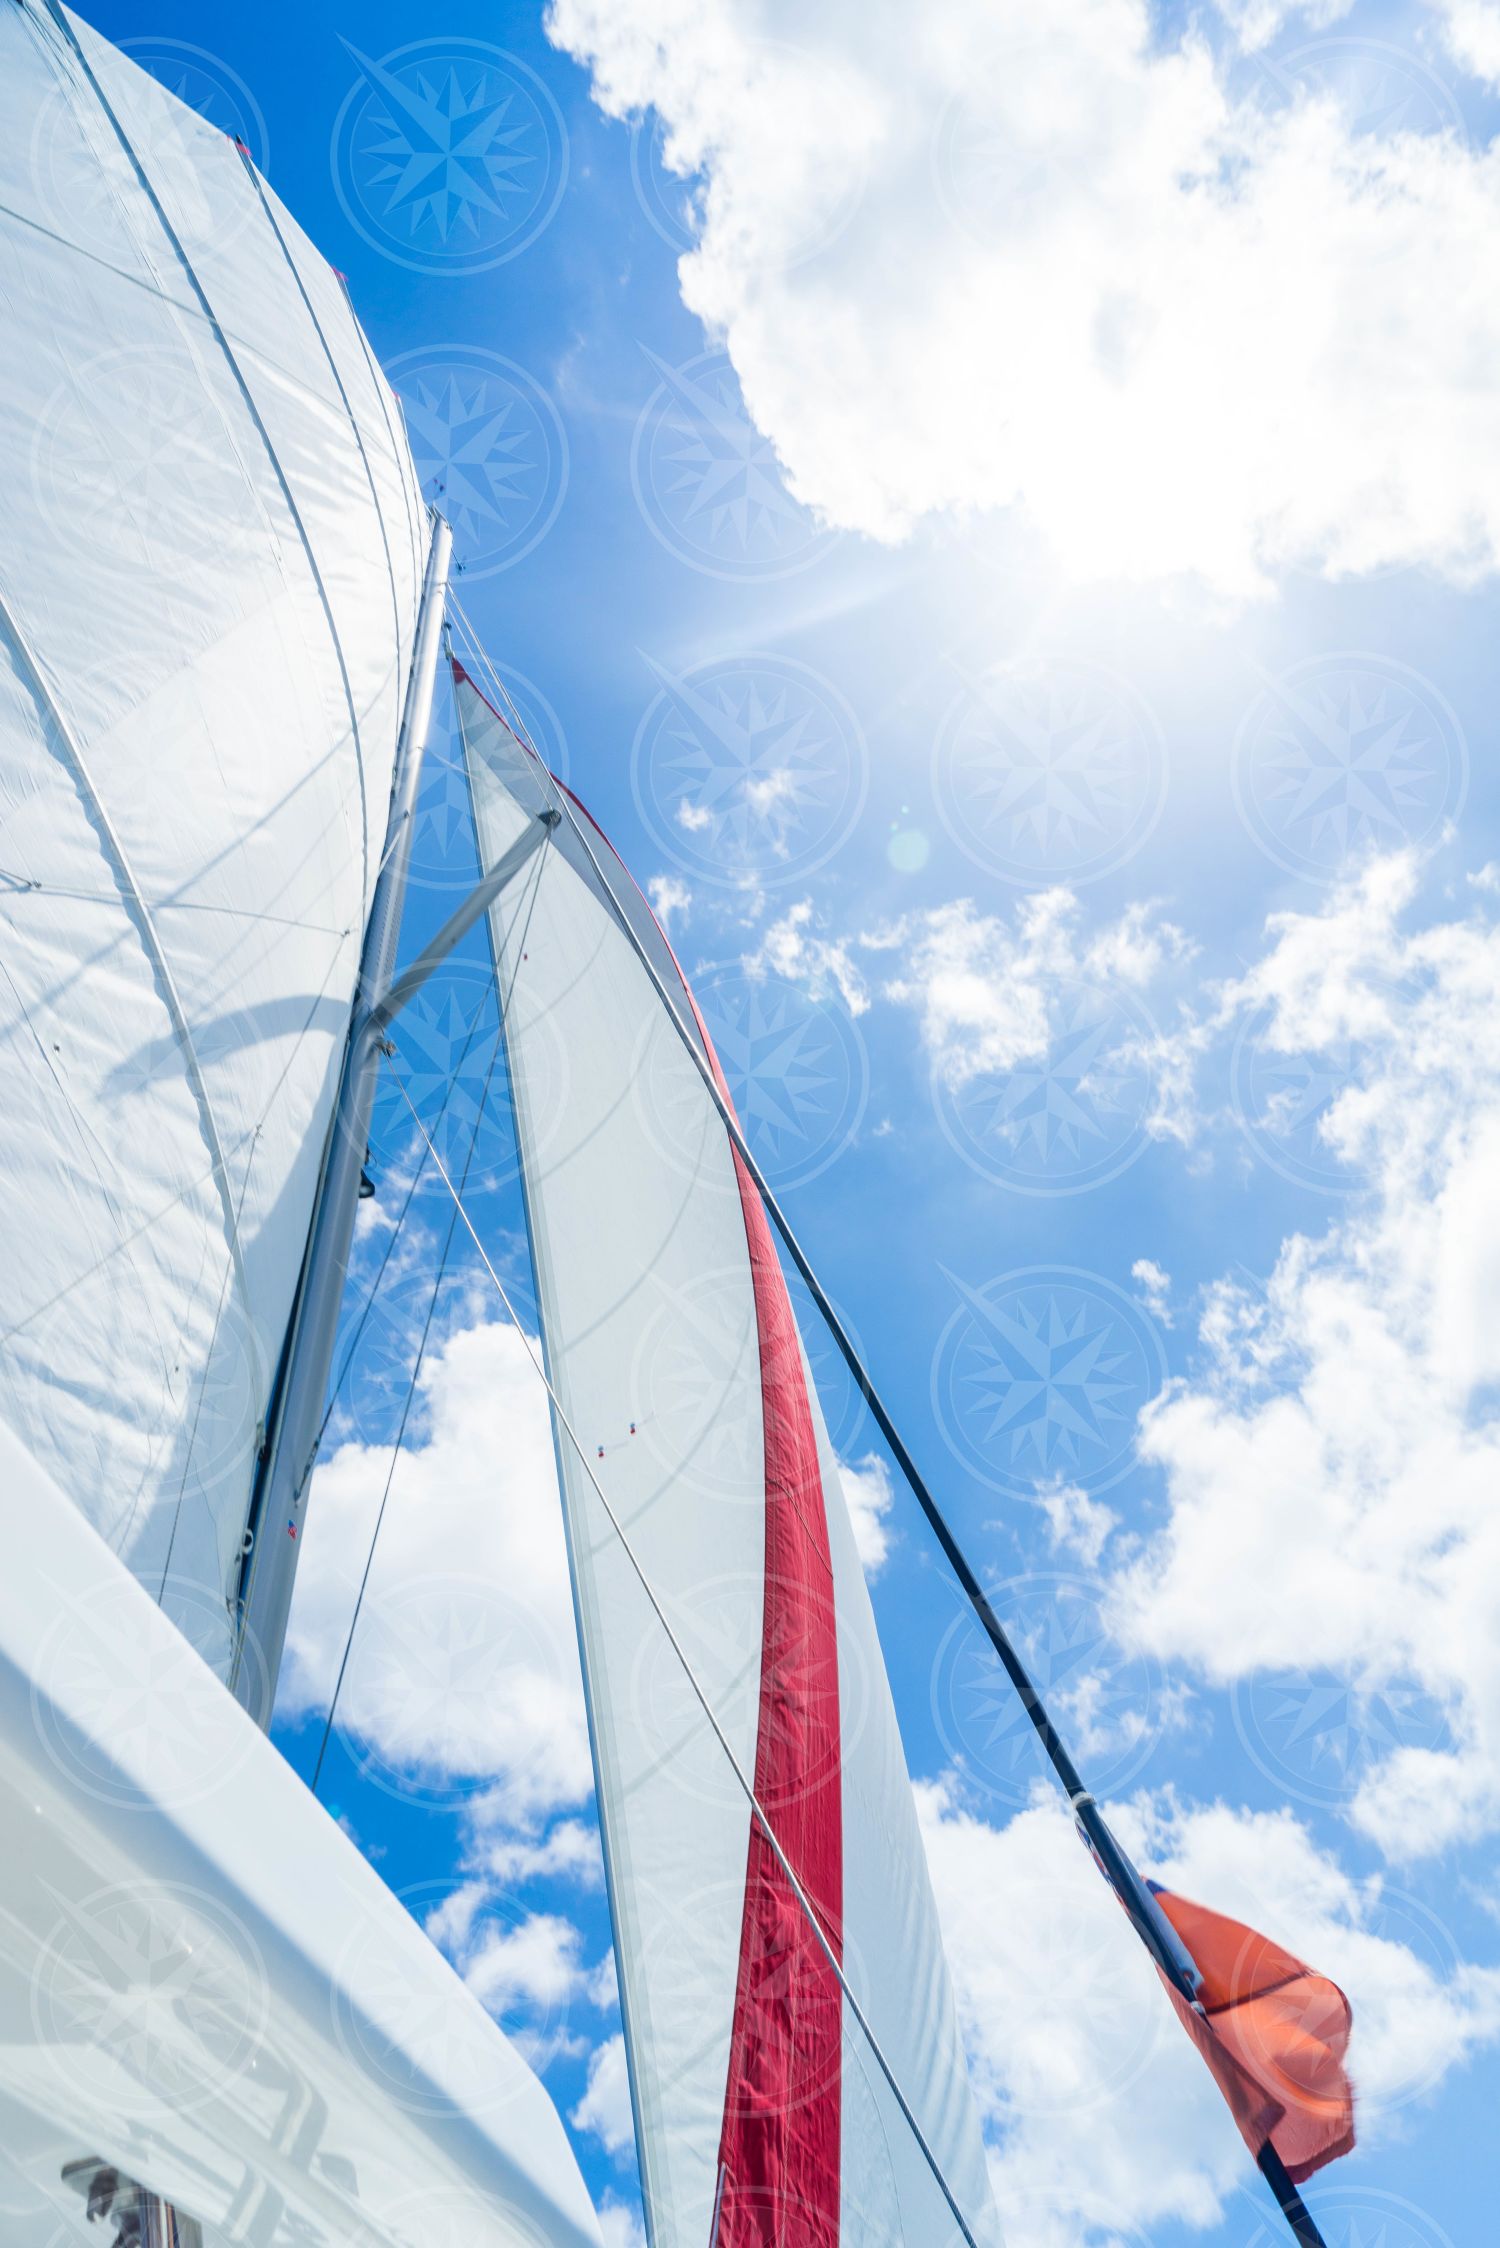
<point>503,1005</point>
<point>745,1784</point>
<point>1149,1922</point>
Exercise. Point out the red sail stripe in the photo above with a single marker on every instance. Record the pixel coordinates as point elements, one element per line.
<point>781,2140</point>
<point>779,2152</point>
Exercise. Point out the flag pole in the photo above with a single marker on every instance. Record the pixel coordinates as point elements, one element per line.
<point>1150,1923</point>
<point>1288,2200</point>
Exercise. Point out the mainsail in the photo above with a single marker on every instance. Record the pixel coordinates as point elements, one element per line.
<point>211,548</point>
<point>766,2110</point>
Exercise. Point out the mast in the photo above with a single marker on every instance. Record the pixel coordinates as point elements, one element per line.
<point>286,1458</point>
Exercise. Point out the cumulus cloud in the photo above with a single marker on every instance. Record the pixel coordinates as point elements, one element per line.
<point>620,2225</point>
<point>985,988</point>
<point>604,2108</point>
<point>1097,2107</point>
<point>464,1670</point>
<point>1078,1524</point>
<point>867,1495</point>
<point>670,896</point>
<point>1331,1466</point>
<point>1255,23</point>
<point>1471,33</point>
<point>1155,1287</point>
<point>792,948</point>
<point>1188,319</point>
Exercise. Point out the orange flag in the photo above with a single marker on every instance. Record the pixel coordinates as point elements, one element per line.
<point>1273,2033</point>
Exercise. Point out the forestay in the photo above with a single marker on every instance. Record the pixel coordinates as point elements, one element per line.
<point>762,2113</point>
<point>211,545</point>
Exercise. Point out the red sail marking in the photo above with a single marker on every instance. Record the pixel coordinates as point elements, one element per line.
<point>781,2137</point>
<point>779,2153</point>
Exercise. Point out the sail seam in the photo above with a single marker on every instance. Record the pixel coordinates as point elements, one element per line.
<point>321,334</point>
<point>146,929</point>
<point>232,362</point>
<point>804,1903</point>
<point>385,395</point>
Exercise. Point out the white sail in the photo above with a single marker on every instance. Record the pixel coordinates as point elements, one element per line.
<point>263,2035</point>
<point>763,2114</point>
<point>211,545</point>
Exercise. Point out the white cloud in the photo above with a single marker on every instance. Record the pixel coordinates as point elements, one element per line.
<point>984,988</point>
<point>620,2225</point>
<point>605,2106</point>
<point>568,1851</point>
<point>1255,23</point>
<point>1190,321</point>
<point>1155,1287</point>
<point>1331,1467</point>
<point>465,1667</point>
<point>1078,1524</point>
<point>790,948</point>
<point>1471,34</point>
<point>669,896</point>
<point>867,1494</point>
<point>1097,2106</point>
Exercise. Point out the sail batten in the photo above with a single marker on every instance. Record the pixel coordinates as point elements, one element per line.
<point>787,2083</point>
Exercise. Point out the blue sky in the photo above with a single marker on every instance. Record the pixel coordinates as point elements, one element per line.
<point>1051,1154</point>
